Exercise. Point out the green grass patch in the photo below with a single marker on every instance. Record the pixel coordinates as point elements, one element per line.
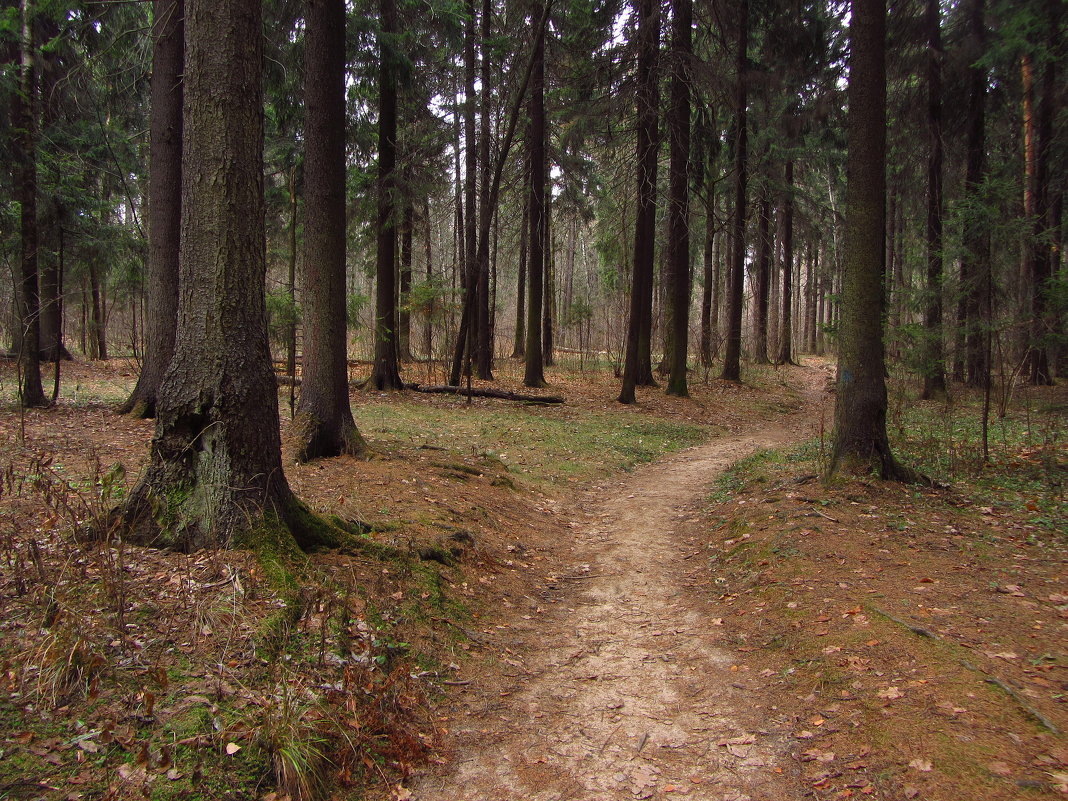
<point>541,446</point>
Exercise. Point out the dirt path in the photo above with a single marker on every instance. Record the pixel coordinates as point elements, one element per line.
<point>615,684</point>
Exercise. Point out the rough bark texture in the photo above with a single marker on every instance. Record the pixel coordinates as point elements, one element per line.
<point>637,366</point>
<point>708,316</point>
<point>860,440</point>
<point>934,368</point>
<point>975,261</point>
<point>385,375</point>
<point>519,346</point>
<point>323,425</point>
<point>534,366</point>
<point>732,356</point>
<point>1045,252</point>
<point>164,205</point>
<point>404,314</point>
<point>215,473</point>
<point>679,207</point>
<point>24,112</point>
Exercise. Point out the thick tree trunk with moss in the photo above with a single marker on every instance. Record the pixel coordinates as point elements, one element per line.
<point>323,425</point>
<point>215,474</point>
<point>860,440</point>
<point>164,205</point>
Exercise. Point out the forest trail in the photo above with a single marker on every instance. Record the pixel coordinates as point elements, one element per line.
<point>613,683</point>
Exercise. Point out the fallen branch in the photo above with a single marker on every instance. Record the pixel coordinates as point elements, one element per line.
<point>1015,696</point>
<point>446,389</point>
<point>922,632</point>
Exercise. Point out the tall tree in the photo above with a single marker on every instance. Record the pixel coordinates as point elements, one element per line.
<point>1045,244</point>
<point>215,474</point>
<point>975,260</point>
<point>637,367</point>
<point>484,327</point>
<point>732,356</point>
<point>164,205</point>
<point>860,439</point>
<point>934,368</point>
<point>762,279</point>
<point>31,391</point>
<point>323,425</point>
<point>385,375</point>
<point>533,359</point>
<point>785,355</point>
<point>679,203</point>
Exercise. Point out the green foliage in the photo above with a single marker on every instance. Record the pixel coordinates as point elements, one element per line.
<point>283,314</point>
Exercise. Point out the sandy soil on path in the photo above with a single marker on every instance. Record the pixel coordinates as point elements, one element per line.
<point>616,685</point>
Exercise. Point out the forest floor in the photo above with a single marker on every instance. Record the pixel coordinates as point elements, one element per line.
<point>716,623</point>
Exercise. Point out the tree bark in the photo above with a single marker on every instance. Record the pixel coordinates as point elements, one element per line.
<point>1045,218</point>
<point>786,344</point>
<point>975,261</point>
<point>164,205</point>
<point>404,314</point>
<point>860,440</point>
<point>323,425</point>
<point>679,206</point>
<point>385,375</point>
<point>534,367</point>
<point>637,366</point>
<point>30,391</point>
<point>732,368</point>
<point>484,331</point>
<point>519,346</point>
<point>761,281</point>
<point>215,476</point>
<point>934,367</point>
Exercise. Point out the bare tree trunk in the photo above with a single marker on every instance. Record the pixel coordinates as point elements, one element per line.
<point>323,425</point>
<point>164,205</point>
<point>679,203</point>
<point>786,330</point>
<point>732,368</point>
<point>637,370</point>
<point>761,282</point>
<point>934,367</point>
<point>534,367</point>
<point>385,375</point>
<point>860,440</point>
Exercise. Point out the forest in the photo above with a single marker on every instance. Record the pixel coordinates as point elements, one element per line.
<point>570,399</point>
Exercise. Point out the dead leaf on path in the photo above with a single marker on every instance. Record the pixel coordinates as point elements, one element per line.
<point>1000,769</point>
<point>911,791</point>
<point>1011,589</point>
<point>1000,655</point>
<point>890,693</point>
<point>1060,781</point>
<point>232,748</point>
<point>922,765</point>
<point>815,755</point>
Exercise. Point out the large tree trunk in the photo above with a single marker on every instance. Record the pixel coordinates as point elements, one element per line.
<point>534,367</point>
<point>679,206</point>
<point>732,357</point>
<point>709,315</point>
<point>637,367</point>
<point>975,262</point>
<point>934,368</point>
<point>215,476</point>
<point>860,440</point>
<point>385,375</point>
<point>1044,241</point>
<point>164,205</point>
<point>323,425</point>
<point>24,101</point>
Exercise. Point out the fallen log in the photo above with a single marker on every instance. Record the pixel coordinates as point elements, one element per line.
<point>500,394</point>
